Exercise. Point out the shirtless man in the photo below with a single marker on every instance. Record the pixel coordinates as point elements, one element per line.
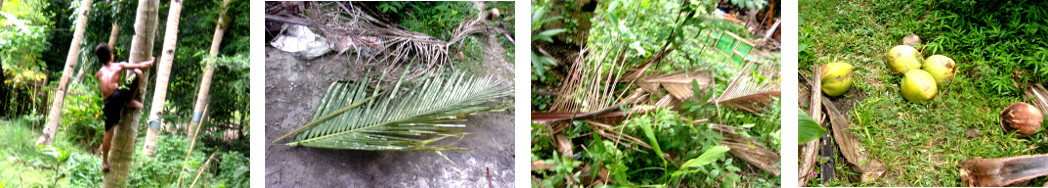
<point>116,93</point>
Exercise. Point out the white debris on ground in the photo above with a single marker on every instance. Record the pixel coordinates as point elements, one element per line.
<point>302,42</point>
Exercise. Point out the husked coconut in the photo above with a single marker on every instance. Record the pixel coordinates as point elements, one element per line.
<point>836,78</point>
<point>941,68</point>
<point>911,40</point>
<point>902,58</point>
<point>1022,118</point>
<point>918,86</point>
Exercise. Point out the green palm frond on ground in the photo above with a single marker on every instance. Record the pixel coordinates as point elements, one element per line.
<point>412,115</point>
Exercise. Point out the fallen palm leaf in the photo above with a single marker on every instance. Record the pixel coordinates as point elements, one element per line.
<point>751,93</point>
<point>870,168</point>
<point>1002,172</point>
<point>678,84</point>
<point>607,131</point>
<point>409,116</point>
<point>748,150</point>
<point>810,150</point>
<point>607,111</point>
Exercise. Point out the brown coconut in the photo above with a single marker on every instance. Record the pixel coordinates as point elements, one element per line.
<point>1022,118</point>
<point>911,40</point>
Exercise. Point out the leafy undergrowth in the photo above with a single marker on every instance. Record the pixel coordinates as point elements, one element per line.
<point>67,164</point>
<point>674,145</point>
<point>997,47</point>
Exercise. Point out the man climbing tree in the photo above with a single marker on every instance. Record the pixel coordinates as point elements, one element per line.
<point>123,143</point>
<point>116,93</point>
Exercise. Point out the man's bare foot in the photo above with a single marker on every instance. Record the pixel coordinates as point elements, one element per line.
<point>134,104</point>
<point>105,167</point>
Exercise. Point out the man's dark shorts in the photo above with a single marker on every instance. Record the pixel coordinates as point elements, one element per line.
<point>117,100</point>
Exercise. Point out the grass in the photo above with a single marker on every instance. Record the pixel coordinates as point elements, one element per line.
<point>22,165</point>
<point>920,144</point>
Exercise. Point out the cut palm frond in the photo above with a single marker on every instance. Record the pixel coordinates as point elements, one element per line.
<point>678,84</point>
<point>590,84</point>
<point>408,116</point>
<point>752,92</point>
<point>352,30</point>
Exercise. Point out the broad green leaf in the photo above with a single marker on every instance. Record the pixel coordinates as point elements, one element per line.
<point>808,130</point>
<point>711,155</point>
<point>648,132</point>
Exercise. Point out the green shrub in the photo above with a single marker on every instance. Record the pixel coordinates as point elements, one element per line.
<point>82,119</point>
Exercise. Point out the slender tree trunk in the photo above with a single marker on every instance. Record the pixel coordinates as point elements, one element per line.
<point>74,52</point>
<point>112,42</point>
<point>209,71</point>
<point>115,33</point>
<point>163,73</point>
<point>3,88</point>
<point>124,139</point>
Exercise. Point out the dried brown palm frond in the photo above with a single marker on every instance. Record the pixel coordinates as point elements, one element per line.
<point>678,84</point>
<point>749,150</point>
<point>589,85</point>
<point>383,44</point>
<point>752,91</point>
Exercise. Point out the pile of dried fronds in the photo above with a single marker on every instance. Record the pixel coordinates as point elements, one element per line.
<point>351,29</point>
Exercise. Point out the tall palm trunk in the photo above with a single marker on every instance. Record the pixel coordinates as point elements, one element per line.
<point>163,72</point>
<point>209,71</point>
<point>124,138</point>
<point>113,34</point>
<point>74,51</point>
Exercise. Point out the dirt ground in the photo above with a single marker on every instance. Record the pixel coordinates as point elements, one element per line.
<point>294,89</point>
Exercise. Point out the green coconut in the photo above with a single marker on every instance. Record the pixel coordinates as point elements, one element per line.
<point>941,68</point>
<point>902,58</point>
<point>918,86</point>
<point>836,78</point>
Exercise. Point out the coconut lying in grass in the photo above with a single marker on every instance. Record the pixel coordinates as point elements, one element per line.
<point>941,68</point>
<point>918,86</point>
<point>911,40</point>
<point>836,78</point>
<point>1022,118</point>
<point>902,58</point>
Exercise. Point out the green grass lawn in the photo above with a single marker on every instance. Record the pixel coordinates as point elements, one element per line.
<point>21,165</point>
<point>920,144</point>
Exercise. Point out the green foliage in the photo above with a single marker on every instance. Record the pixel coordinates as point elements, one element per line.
<point>233,170</point>
<point>54,152</point>
<point>562,174</point>
<point>82,170</point>
<point>541,63</point>
<point>82,118</point>
<point>1002,42</point>
<point>435,18</point>
<point>749,4</point>
<point>391,7</point>
<point>808,130</point>
<point>21,44</point>
<point>685,151</point>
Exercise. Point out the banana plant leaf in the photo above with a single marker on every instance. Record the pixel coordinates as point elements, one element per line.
<point>412,115</point>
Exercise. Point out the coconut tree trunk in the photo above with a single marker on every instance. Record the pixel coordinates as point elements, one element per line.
<point>123,147</point>
<point>112,42</point>
<point>209,71</point>
<point>163,73</point>
<point>74,51</point>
